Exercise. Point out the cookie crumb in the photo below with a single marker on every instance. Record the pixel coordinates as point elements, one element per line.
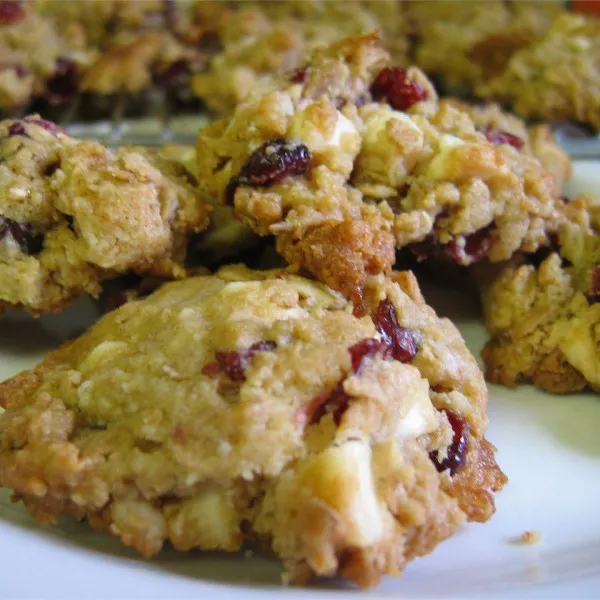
<point>527,538</point>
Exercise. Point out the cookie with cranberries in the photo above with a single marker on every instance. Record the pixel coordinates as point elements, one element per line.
<point>358,158</point>
<point>74,213</point>
<point>254,407</point>
<point>543,316</point>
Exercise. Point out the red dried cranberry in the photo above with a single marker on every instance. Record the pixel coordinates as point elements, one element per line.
<point>173,73</point>
<point>17,128</point>
<point>403,343</point>
<point>49,126</point>
<point>594,295</point>
<point>364,349</point>
<point>497,137</point>
<point>270,163</point>
<point>400,92</point>
<point>298,76</point>
<point>335,403</point>
<point>11,12</point>
<point>457,451</point>
<point>475,249</point>
<point>29,242</point>
<point>234,363</point>
<point>64,83</point>
<point>20,70</point>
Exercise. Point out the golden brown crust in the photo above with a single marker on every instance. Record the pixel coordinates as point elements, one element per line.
<point>341,255</point>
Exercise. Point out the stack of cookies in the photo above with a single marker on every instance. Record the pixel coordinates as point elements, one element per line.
<point>318,410</point>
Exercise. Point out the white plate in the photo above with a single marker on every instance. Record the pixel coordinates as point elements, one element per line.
<point>549,447</point>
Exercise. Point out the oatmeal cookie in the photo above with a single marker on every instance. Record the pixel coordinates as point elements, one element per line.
<point>134,63</point>
<point>73,213</point>
<point>344,445</point>
<point>544,320</point>
<point>467,43</point>
<point>104,22</point>
<point>35,59</point>
<point>557,77</point>
<point>263,40</point>
<point>355,157</point>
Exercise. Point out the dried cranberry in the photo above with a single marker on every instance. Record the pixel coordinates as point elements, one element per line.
<point>403,343</point>
<point>48,126</point>
<point>17,128</point>
<point>298,76</point>
<point>497,137</point>
<point>234,363</point>
<point>400,92</point>
<point>29,242</point>
<point>270,163</point>
<point>11,12</point>
<point>20,70</point>
<point>475,249</point>
<point>594,295</point>
<point>64,83</point>
<point>364,349</point>
<point>174,72</point>
<point>457,451</point>
<point>335,402</point>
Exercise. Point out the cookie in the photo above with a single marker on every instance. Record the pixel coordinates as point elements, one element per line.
<point>544,319</point>
<point>355,158</point>
<point>254,407</point>
<point>555,78</point>
<point>466,44</point>
<point>25,71</point>
<point>73,213</point>
<point>135,63</point>
<point>260,41</point>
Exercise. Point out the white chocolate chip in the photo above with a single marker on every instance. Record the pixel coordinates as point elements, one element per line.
<point>438,166</point>
<point>376,124</point>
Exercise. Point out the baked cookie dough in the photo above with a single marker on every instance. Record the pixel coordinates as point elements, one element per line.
<point>73,213</point>
<point>544,319</point>
<point>36,59</point>
<point>537,140</point>
<point>254,407</point>
<point>467,43</point>
<point>258,42</point>
<point>557,77</point>
<point>354,158</point>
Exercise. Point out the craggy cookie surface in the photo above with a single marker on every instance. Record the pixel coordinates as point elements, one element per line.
<point>556,77</point>
<point>353,158</point>
<point>73,213</point>
<point>257,42</point>
<point>544,320</point>
<point>255,407</point>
